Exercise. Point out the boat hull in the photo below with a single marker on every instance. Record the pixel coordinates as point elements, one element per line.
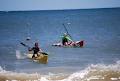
<point>71,44</point>
<point>41,58</point>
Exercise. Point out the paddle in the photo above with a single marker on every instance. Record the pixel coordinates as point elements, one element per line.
<point>29,48</point>
<point>67,30</point>
<point>24,45</point>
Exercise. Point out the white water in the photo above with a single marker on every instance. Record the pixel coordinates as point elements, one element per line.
<point>96,72</point>
<point>19,55</point>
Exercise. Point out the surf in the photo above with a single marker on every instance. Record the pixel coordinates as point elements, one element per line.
<point>94,72</point>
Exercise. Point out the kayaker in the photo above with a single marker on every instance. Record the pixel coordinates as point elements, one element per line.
<point>66,39</point>
<point>35,50</point>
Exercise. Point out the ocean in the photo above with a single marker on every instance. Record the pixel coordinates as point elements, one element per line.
<point>98,60</point>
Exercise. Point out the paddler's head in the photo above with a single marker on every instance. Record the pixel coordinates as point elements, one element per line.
<point>36,44</point>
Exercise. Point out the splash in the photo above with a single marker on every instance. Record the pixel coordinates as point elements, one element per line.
<point>19,55</point>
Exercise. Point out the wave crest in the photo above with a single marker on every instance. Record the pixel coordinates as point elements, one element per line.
<point>98,72</point>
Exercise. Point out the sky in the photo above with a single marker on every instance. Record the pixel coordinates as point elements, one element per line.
<point>16,5</point>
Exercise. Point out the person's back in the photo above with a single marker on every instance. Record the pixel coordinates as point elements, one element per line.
<point>35,50</point>
<point>65,39</point>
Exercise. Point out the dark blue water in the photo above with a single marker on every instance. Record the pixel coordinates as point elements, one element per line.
<point>99,28</point>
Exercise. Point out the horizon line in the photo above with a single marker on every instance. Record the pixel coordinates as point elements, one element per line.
<point>57,9</point>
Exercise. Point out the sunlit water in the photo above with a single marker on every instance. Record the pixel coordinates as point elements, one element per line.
<point>98,60</point>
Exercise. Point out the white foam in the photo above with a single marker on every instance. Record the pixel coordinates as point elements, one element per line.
<point>98,71</point>
<point>1,69</point>
<point>19,55</point>
<point>43,79</point>
<point>113,67</point>
<point>14,76</point>
<point>114,78</point>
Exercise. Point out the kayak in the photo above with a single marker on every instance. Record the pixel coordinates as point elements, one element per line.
<point>70,44</point>
<point>41,58</point>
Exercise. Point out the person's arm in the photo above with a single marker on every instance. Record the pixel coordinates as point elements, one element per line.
<point>30,49</point>
<point>40,50</point>
<point>69,38</point>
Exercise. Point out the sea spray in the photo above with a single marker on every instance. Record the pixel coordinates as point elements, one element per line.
<point>19,55</point>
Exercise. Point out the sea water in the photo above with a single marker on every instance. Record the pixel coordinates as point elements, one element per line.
<point>98,60</point>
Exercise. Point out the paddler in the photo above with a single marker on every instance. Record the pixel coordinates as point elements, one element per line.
<point>66,39</point>
<point>35,50</point>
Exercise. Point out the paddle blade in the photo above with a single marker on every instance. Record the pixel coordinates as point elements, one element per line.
<point>24,45</point>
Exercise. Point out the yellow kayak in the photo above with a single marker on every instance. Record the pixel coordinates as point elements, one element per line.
<point>41,58</point>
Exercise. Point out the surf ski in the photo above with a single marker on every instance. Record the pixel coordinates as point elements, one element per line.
<point>42,57</point>
<point>71,44</point>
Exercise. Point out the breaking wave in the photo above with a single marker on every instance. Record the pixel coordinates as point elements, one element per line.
<point>98,72</point>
